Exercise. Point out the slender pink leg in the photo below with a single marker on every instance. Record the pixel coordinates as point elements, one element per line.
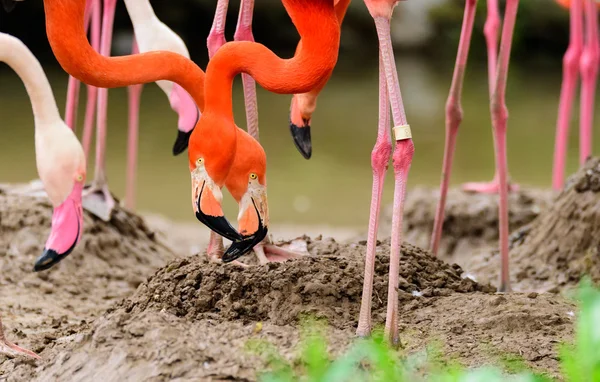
<point>8,347</point>
<point>92,91</point>
<point>454,115</point>
<point>243,32</point>
<point>216,36</point>
<point>74,84</point>
<point>402,159</point>
<point>567,92</point>
<point>491,31</point>
<point>98,198</point>
<point>589,77</point>
<point>134,94</point>
<point>499,120</point>
<point>380,159</point>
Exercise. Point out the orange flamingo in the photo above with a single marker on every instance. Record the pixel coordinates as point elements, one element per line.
<point>303,105</point>
<point>213,144</point>
<point>581,57</point>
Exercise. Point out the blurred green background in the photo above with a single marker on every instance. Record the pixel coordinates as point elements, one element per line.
<point>334,186</point>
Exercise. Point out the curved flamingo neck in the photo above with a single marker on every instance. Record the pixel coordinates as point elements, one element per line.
<point>316,56</point>
<point>66,34</point>
<point>14,53</point>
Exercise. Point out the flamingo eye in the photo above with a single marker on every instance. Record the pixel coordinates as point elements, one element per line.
<point>199,161</point>
<point>79,178</point>
<point>253,176</point>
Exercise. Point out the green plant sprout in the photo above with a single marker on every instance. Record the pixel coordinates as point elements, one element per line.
<point>372,359</point>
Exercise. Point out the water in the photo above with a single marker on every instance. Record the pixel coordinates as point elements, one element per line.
<point>334,186</point>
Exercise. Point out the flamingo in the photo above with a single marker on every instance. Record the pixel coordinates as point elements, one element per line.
<point>215,40</point>
<point>582,57</point>
<point>60,162</point>
<point>212,147</point>
<point>303,105</point>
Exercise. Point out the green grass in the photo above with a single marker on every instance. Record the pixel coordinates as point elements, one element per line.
<point>373,359</point>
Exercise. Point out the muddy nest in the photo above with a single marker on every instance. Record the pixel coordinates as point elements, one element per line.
<point>111,260</point>
<point>562,244</point>
<point>471,220</point>
<point>193,320</point>
<point>123,250</point>
<point>328,285</point>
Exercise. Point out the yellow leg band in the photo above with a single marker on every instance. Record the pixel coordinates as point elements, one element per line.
<point>402,132</point>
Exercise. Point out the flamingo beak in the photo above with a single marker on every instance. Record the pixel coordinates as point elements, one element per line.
<point>182,103</point>
<point>253,224</point>
<point>206,200</point>
<point>67,227</point>
<point>300,129</point>
<point>9,5</point>
<point>181,142</point>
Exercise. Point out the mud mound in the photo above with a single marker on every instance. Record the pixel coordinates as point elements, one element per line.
<point>474,328</point>
<point>328,285</point>
<point>562,244</point>
<point>111,260</point>
<point>471,220</point>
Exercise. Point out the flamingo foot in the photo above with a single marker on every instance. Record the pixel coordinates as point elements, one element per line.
<point>215,254</point>
<point>7,347</point>
<point>266,252</point>
<point>98,201</point>
<point>492,187</point>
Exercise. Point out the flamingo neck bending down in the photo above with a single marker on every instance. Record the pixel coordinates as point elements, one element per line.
<point>304,105</point>
<point>151,35</point>
<point>73,51</point>
<point>59,156</point>
<point>314,60</point>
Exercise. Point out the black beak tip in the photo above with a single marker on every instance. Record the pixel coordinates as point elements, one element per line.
<point>240,248</point>
<point>302,140</point>
<point>181,142</point>
<point>220,225</point>
<point>48,259</point>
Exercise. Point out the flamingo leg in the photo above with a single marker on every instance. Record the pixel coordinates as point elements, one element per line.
<point>216,36</point>
<point>215,250</point>
<point>97,198</point>
<point>74,85</point>
<point>454,115</point>
<point>380,158</point>
<point>589,78</point>
<point>8,347</point>
<point>567,92</point>
<point>402,159</point>
<point>134,94</point>
<point>491,32</point>
<point>92,91</point>
<point>243,32</point>
<point>499,121</point>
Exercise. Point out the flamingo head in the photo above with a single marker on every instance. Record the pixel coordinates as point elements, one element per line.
<point>211,154</point>
<point>247,183</point>
<point>301,109</point>
<point>62,169</point>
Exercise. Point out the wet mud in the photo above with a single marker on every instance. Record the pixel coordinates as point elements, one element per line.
<point>125,307</point>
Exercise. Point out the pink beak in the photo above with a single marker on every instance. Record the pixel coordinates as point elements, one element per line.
<point>67,227</point>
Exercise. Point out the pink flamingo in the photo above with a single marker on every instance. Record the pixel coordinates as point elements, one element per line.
<point>499,120</point>
<point>582,57</point>
<point>60,162</point>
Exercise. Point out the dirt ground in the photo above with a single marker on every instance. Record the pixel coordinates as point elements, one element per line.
<point>135,302</point>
